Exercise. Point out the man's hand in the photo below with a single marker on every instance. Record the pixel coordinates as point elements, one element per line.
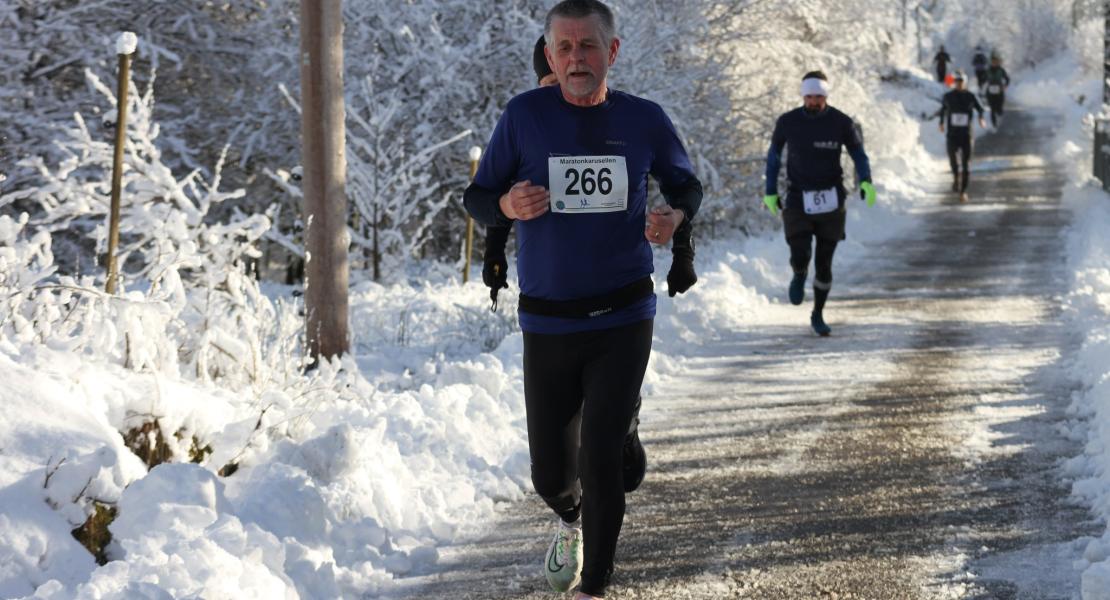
<point>682,275</point>
<point>867,192</point>
<point>661,223</point>
<point>495,272</point>
<point>495,275</point>
<point>525,201</point>
<point>982,123</point>
<point>941,126</point>
<point>772,202</point>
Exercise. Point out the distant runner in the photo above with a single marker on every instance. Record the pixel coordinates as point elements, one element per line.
<point>979,63</point>
<point>955,113</point>
<point>997,82</point>
<point>942,59</point>
<point>814,135</point>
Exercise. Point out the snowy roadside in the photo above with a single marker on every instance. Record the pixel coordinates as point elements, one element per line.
<point>1088,300</point>
<point>350,477</point>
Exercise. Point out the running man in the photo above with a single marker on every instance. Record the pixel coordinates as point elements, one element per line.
<point>680,278</point>
<point>955,111</point>
<point>570,164</point>
<point>997,82</point>
<point>942,59</point>
<point>814,135</point>
<point>979,63</point>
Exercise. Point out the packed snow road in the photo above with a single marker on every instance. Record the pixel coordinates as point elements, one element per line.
<point>914,454</point>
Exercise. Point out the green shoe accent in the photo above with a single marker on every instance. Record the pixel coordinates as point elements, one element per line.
<point>563,564</point>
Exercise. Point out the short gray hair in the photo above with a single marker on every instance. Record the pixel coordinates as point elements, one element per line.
<point>580,9</point>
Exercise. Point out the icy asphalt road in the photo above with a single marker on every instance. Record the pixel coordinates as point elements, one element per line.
<point>914,454</point>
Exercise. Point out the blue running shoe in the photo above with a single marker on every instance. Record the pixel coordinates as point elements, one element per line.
<point>798,289</point>
<point>818,324</point>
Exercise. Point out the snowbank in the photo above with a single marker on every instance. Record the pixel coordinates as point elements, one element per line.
<point>1089,299</point>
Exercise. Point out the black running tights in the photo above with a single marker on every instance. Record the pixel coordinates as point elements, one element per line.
<point>996,101</point>
<point>800,251</point>
<point>961,145</point>
<point>580,390</point>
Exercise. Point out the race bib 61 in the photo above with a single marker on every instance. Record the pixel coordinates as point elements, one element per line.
<point>819,202</point>
<point>587,184</point>
<point>960,119</point>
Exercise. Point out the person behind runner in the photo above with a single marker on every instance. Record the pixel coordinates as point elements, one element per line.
<point>942,59</point>
<point>814,208</point>
<point>570,164</point>
<point>997,82</point>
<point>955,112</point>
<point>979,63</point>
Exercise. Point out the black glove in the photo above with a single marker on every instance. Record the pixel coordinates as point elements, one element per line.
<point>495,269</point>
<point>495,272</point>
<point>682,277</point>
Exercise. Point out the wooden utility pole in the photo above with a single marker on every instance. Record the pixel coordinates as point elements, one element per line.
<point>125,47</point>
<point>323,156</point>
<point>475,155</point>
<point>1106,52</point>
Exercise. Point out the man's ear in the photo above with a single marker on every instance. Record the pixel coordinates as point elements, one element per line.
<point>614,47</point>
<point>550,60</point>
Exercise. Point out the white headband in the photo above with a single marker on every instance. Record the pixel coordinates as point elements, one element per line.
<point>815,87</point>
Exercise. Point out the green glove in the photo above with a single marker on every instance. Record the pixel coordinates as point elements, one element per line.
<point>772,202</point>
<point>867,192</point>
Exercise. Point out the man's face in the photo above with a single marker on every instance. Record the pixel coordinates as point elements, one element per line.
<point>815,103</point>
<point>579,55</point>
<point>960,84</point>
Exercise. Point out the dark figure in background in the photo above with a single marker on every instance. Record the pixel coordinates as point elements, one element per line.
<point>979,63</point>
<point>942,59</point>
<point>997,82</point>
<point>955,113</point>
<point>680,278</point>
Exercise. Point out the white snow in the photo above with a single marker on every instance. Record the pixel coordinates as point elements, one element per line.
<point>126,43</point>
<point>1062,85</point>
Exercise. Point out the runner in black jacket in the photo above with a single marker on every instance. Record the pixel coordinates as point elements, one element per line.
<point>942,59</point>
<point>955,114</point>
<point>979,63</point>
<point>814,136</point>
<point>997,82</point>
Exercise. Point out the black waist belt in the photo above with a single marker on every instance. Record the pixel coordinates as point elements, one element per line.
<point>584,308</point>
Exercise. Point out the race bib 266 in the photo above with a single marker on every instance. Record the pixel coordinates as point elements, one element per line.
<point>587,184</point>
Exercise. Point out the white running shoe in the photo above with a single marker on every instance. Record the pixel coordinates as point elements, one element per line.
<point>563,563</point>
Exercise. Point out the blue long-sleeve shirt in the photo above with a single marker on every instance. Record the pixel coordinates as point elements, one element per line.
<point>564,256</point>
